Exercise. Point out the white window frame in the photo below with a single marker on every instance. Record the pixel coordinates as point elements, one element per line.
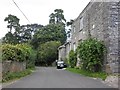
<point>81,23</point>
<point>74,46</point>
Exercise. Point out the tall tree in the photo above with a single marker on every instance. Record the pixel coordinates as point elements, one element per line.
<point>57,17</point>
<point>69,30</point>
<point>52,18</point>
<point>13,23</point>
<point>27,31</point>
<point>70,22</point>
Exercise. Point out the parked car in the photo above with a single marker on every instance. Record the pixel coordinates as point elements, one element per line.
<point>61,64</point>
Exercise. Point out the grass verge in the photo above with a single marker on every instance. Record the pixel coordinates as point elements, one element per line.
<point>16,75</point>
<point>100,75</point>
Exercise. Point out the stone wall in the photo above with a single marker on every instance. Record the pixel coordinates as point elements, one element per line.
<point>112,37</point>
<point>10,66</point>
<point>62,52</point>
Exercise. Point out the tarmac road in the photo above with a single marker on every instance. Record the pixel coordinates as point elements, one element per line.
<point>50,77</point>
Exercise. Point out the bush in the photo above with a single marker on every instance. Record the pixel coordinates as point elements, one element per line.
<point>11,52</point>
<point>66,60</point>
<point>20,53</point>
<point>72,58</point>
<point>30,54</point>
<point>91,53</point>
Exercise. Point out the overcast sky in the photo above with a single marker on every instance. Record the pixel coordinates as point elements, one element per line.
<point>38,11</point>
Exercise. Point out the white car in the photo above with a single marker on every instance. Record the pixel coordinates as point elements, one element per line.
<point>61,64</point>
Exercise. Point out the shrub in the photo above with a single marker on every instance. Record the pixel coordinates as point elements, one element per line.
<point>72,58</point>
<point>10,52</point>
<point>30,54</point>
<point>20,53</point>
<point>91,53</point>
<point>66,60</point>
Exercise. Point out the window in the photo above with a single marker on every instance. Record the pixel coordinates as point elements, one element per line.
<point>74,46</point>
<point>73,29</point>
<point>81,23</point>
<point>93,26</point>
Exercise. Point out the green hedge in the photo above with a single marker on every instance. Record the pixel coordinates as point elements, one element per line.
<point>11,52</point>
<point>30,54</point>
<point>19,52</point>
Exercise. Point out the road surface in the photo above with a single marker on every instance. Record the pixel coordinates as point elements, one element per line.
<point>50,77</point>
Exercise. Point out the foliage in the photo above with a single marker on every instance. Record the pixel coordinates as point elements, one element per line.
<point>27,32</point>
<point>11,52</point>
<point>19,52</point>
<point>30,54</point>
<point>16,75</point>
<point>91,52</point>
<point>66,61</point>
<point>48,53</point>
<point>72,58</point>
<point>13,23</point>
<point>70,22</point>
<point>57,17</point>
<point>101,75</point>
<point>51,32</point>
<point>20,34</point>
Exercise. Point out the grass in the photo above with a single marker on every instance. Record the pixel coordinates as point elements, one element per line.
<point>16,75</point>
<point>100,75</point>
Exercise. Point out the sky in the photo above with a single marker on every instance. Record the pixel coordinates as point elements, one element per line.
<point>38,11</point>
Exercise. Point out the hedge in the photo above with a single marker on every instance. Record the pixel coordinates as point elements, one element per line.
<point>19,52</point>
<point>10,52</point>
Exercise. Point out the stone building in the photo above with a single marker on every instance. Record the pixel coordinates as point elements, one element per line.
<point>102,21</point>
<point>64,51</point>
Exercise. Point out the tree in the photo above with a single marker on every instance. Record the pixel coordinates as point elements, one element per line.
<point>70,22</point>
<point>52,18</point>
<point>27,31</point>
<point>50,32</point>
<point>57,17</point>
<point>47,53</point>
<point>13,23</point>
<point>69,30</point>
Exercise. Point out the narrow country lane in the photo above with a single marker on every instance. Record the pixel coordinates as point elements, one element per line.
<point>50,77</point>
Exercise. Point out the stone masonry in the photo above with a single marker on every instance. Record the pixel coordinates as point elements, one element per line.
<point>102,21</point>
